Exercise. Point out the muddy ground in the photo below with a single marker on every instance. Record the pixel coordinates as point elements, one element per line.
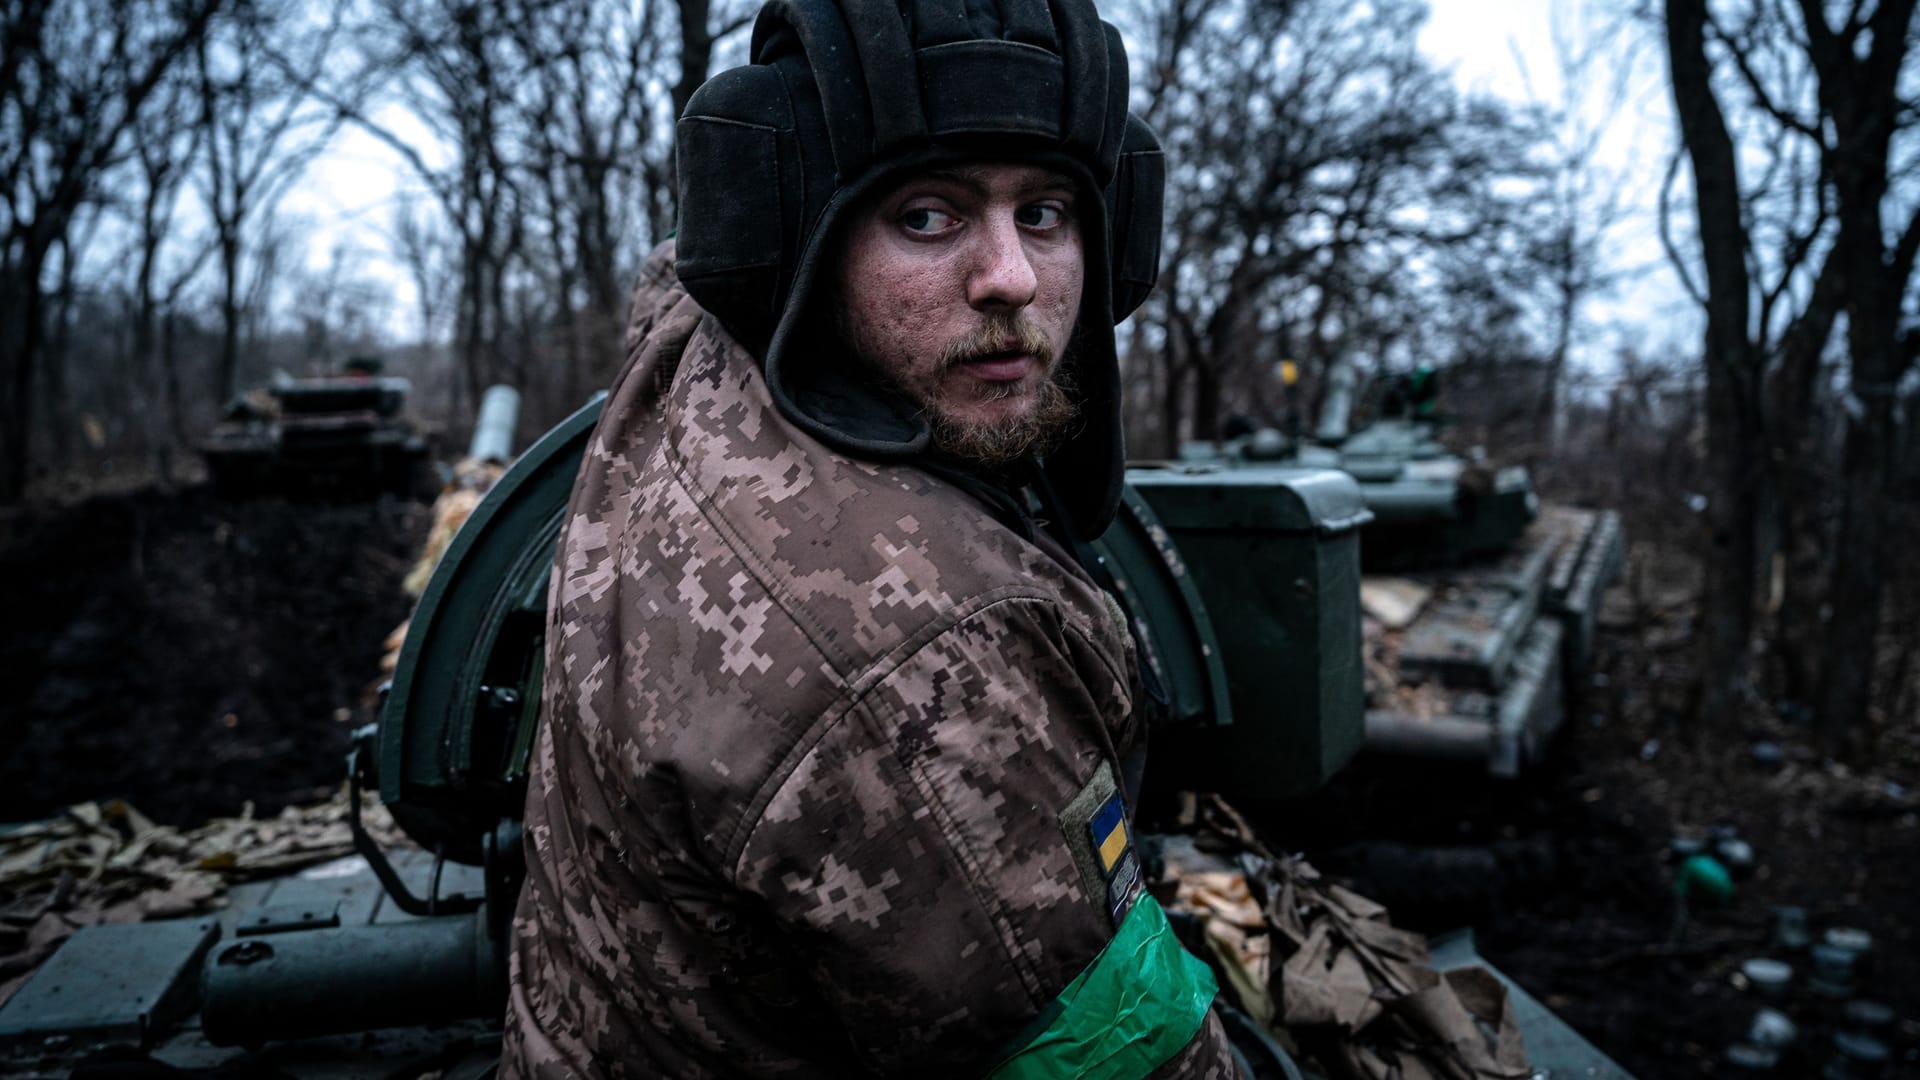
<point>1568,875</point>
<point>189,654</point>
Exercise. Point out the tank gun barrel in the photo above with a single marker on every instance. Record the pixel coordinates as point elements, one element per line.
<point>304,983</point>
<point>1336,412</point>
<point>493,431</point>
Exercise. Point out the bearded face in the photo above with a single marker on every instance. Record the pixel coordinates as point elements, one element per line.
<point>961,288</point>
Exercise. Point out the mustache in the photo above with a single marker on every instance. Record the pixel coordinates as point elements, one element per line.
<point>999,335</point>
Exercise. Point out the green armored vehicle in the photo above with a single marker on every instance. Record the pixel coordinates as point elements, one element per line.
<point>1479,601</point>
<point>1244,583</point>
<point>337,434</point>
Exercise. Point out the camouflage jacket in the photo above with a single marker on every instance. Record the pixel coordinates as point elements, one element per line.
<point>810,725</point>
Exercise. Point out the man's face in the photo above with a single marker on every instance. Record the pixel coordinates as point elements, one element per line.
<point>962,287</point>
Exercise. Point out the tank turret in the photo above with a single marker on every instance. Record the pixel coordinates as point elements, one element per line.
<point>343,435</point>
<point>1480,602</point>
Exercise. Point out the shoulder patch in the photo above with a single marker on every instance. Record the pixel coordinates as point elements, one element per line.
<point>1101,840</point>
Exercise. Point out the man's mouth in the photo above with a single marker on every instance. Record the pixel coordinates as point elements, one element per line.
<point>1000,366</point>
<point>1009,363</point>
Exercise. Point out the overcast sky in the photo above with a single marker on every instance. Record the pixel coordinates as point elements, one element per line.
<point>1513,49</point>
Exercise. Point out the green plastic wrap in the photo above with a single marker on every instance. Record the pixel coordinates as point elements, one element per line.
<point>1137,1005</point>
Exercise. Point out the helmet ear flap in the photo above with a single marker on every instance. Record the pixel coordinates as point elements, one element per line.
<point>740,197</point>
<point>1135,200</point>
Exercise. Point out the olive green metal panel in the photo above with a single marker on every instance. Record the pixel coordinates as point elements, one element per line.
<point>110,982</point>
<point>1274,553</point>
<point>456,724</point>
<point>1432,517</point>
<point>1430,508</point>
<point>1553,1048</point>
<point>1169,613</point>
<point>1255,498</point>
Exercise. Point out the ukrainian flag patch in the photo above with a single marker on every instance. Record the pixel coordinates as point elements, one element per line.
<point>1108,830</point>
<point>1101,841</point>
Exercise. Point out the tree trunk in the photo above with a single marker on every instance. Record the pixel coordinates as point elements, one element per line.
<point>1206,402</point>
<point>1866,471</point>
<point>20,328</point>
<point>1859,96</point>
<point>1550,413</point>
<point>1734,448</point>
<point>696,52</point>
<point>57,416</point>
<point>470,334</point>
<point>1796,433</point>
<point>170,369</point>
<point>1805,564</point>
<point>1846,682</point>
<point>1172,408</point>
<point>229,369</point>
<point>1733,511</point>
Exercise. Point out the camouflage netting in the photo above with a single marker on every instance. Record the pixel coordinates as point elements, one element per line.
<point>1323,969</point>
<point>472,479</point>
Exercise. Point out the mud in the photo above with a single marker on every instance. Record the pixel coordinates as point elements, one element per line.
<point>189,654</point>
<point>1568,875</point>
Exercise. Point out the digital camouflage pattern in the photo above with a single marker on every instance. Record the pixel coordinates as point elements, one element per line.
<point>809,724</point>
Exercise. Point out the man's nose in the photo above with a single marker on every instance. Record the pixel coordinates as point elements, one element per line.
<point>1003,274</point>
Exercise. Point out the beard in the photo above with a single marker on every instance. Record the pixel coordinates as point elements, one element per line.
<point>1036,432</point>
<point>990,445</point>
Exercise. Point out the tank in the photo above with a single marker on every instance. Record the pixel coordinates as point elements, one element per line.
<point>1479,601</point>
<point>343,435</point>
<point>1245,584</point>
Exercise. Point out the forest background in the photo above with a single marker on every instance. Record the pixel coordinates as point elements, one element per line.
<point>1335,200</point>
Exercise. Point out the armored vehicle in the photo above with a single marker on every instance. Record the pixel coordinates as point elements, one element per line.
<point>337,434</point>
<point>1479,601</point>
<point>1244,584</point>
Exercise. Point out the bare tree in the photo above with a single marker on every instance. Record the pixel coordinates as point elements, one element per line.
<point>1786,254</point>
<point>260,132</point>
<point>1323,175</point>
<point>1859,65</point>
<point>1733,364</point>
<point>64,302</point>
<point>1583,202</point>
<point>447,61</point>
<point>164,155</point>
<point>595,169</point>
<point>1789,216</point>
<point>75,77</point>
<point>425,249</point>
<point>554,128</point>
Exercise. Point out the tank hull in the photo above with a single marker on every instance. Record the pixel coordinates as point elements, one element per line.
<point>344,437</point>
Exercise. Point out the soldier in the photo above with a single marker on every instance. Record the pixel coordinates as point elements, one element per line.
<point>830,781</point>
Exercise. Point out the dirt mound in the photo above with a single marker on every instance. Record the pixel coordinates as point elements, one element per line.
<point>188,654</point>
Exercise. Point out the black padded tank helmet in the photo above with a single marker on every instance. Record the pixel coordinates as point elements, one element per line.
<point>842,98</point>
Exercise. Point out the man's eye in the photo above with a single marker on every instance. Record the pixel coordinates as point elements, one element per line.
<point>1042,216</point>
<point>925,219</point>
